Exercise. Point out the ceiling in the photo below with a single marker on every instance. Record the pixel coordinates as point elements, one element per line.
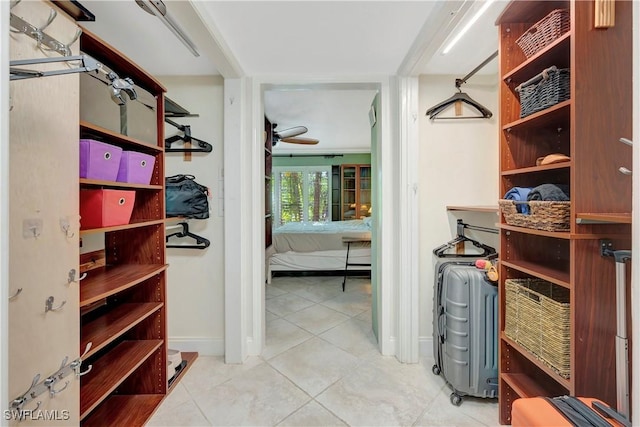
<point>309,40</point>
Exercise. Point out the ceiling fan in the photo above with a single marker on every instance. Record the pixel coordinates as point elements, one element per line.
<point>291,135</point>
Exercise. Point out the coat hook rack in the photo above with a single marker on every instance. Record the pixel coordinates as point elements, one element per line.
<point>38,34</point>
<point>48,384</point>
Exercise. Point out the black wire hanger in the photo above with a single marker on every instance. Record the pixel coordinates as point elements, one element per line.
<point>201,242</point>
<point>463,97</point>
<point>202,146</point>
<point>487,251</point>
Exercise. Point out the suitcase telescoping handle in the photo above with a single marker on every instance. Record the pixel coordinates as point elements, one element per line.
<point>622,341</point>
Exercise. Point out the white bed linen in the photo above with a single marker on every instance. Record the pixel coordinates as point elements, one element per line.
<point>319,236</point>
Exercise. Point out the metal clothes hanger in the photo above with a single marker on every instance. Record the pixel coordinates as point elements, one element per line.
<point>487,251</point>
<point>201,242</point>
<point>463,97</point>
<point>203,146</point>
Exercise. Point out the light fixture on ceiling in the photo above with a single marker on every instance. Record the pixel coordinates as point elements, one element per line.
<point>468,25</point>
<point>158,8</point>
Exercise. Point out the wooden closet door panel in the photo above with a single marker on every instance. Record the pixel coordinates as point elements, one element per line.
<point>43,194</point>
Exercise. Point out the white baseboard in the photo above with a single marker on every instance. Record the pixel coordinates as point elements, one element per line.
<point>205,346</point>
<point>426,346</point>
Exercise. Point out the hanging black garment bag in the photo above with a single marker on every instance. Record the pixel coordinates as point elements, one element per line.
<point>184,197</point>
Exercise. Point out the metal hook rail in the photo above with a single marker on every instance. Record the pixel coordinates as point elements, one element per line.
<point>43,39</point>
<point>48,384</point>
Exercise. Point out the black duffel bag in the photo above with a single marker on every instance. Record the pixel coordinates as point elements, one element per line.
<point>185,197</point>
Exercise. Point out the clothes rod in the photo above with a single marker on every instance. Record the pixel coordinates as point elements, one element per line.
<point>460,82</point>
<point>326,156</point>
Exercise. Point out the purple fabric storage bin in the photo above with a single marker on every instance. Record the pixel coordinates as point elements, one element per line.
<point>136,168</point>
<point>99,160</point>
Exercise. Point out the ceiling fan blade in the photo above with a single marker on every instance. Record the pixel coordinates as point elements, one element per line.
<point>300,140</point>
<point>288,133</point>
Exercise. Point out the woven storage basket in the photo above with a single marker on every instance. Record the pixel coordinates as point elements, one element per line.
<point>547,89</point>
<point>543,215</point>
<point>537,317</point>
<point>544,32</point>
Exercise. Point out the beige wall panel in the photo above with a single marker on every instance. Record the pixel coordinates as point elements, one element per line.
<point>43,189</point>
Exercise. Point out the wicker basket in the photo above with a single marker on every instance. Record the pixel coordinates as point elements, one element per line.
<point>537,317</point>
<point>543,215</point>
<point>548,88</point>
<point>544,32</point>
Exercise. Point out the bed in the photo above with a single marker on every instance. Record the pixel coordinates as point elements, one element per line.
<point>318,246</point>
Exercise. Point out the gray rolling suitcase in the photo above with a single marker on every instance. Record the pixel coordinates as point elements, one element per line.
<point>465,328</point>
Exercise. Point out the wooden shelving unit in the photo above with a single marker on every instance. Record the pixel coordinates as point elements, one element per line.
<point>123,296</point>
<point>587,130</point>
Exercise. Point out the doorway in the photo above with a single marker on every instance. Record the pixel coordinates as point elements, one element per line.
<point>293,110</point>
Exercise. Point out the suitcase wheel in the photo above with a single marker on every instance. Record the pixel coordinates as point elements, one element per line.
<point>455,399</point>
<point>435,369</point>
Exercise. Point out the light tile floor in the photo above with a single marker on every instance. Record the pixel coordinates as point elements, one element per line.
<point>320,367</point>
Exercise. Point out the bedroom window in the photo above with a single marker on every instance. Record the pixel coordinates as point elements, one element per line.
<point>301,194</point>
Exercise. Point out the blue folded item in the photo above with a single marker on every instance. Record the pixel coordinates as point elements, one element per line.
<point>519,194</point>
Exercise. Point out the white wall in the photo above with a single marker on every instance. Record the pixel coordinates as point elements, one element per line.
<point>458,166</point>
<point>196,277</point>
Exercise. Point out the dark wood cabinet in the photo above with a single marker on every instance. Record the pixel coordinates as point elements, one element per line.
<point>355,191</point>
<point>587,128</point>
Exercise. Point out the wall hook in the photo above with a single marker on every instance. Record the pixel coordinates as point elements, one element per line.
<point>18,403</point>
<point>14,296</point>
<point>79,374</point>
<point>65,49</point>
<point>38,33</point>
<point>48,305</point>
<point>50,382</point>
<point>66,228</point>
<point>76,364</point>
<point>72,276</point>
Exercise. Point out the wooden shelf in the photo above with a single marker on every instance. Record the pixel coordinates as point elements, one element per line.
<point>132,225</point>
<point>557,116</point>
<point>107,328</point>
<point>103,282</point>
<point>124,410</point>
<point>560,278</point>
<point>557,53</point>
<point>524,385</point>
<point>488,209</point>
<point>604,218</point>
<point>553,234</point>
<point>133,410</point>
<point>113,184</point>
<point>190,357</point>
<point>533,359</point>
<point>536,169</point>
<point>528,11</point>
<point>90,129</point>
<point>111,370</point>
